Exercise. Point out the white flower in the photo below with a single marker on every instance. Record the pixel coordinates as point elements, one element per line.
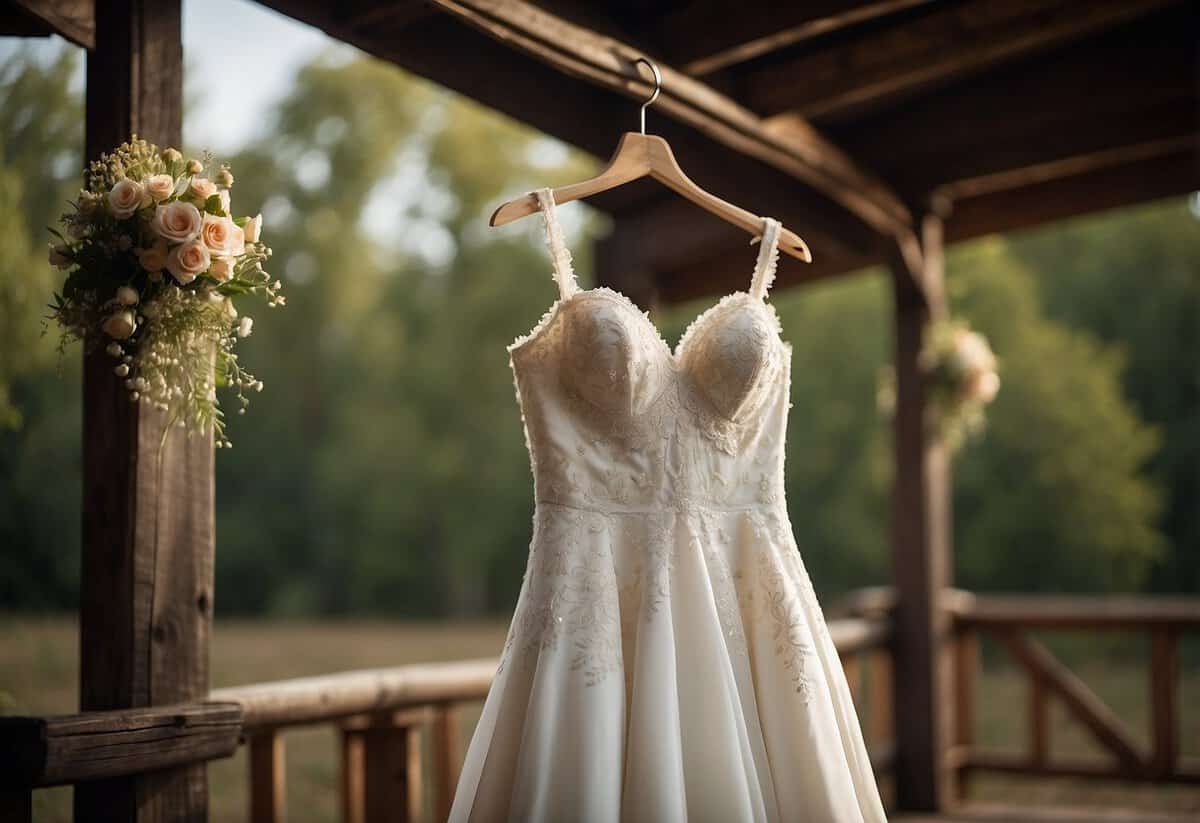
<point>177,222</point>
<point>225,177</point>
<point>985,386</point>
<point>974,353</point>
<point>224,195</point>
<point>171,155</point>
<point>126,197</point>
<point>159,186</point>
<point>58,257</point>
<point>253,228</point>
<point>202,188</point>
<point>154,258</point>
<point>194,166</point>
<point>221,269</point>
<point>119,325</point>
<point>127,296</point>
<point>245,327</point>
<point>188,260</point>
<point>114,350</point>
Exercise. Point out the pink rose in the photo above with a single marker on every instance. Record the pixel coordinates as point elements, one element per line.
<point>202,188</point>
<point>155,257</point>
<point>126,197</point>
<point>159,186</point>
<point>187,261</point>
<point>177,222</point>
<point>221,269</point>
<point>222,236</point>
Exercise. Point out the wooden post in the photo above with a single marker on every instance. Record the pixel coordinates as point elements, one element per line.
<point>966,669</point>
<point>1164,698</point>
<point>268,778</point>
<point>147,566</point>
<point>447,759</point>
<point>920,540</point>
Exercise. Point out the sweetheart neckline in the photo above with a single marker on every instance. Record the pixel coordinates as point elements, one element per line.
<point>672,355</point>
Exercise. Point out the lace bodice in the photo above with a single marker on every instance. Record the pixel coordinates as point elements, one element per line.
<point>614,420</point>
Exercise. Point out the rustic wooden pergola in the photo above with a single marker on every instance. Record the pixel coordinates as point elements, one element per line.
<point>881,129</point>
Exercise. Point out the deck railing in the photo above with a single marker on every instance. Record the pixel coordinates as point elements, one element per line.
<point>1009,619</point>
<point>392,721</point>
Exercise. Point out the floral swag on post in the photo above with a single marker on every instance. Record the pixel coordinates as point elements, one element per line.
<point>960,370</point>
<point>154,261</point>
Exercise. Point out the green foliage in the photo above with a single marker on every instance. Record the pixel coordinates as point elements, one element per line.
<point>383,468</point>
<point>1133,279</point>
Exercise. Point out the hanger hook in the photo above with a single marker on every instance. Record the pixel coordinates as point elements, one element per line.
<point>657,87</point>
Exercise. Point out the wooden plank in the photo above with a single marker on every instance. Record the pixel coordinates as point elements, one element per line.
<point>1114,612</point>
<point>1039,721</point>
<point>352,774</point>
<point>952,40</point>
<point>51,751</point>
<point>1009,763</point>
<point>391,772</point>
<point>447,758</point>
<point>1039,110</point>
<point>1164,698</point>
<point>707,37</point>
<point>1080,701</point>
<point>308,700</point>
<point>146,597</point>
<point>569,51</point>
<point>920,548</point>
<point>73,19</point>
<point>268,777</point>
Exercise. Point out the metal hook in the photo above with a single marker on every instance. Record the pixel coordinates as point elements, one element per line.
<point>657,87</point>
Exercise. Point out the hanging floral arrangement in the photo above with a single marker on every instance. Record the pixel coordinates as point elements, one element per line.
<point>154,260</point>
<point>961,373</point>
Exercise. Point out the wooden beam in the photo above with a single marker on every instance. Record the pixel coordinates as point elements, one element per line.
<point>268,777</point>
<point>52,751</point>
<point>147,567</point>
<point>75,20</point>
<point>1120,185</point>
<point>921,537</point>
<point>708,37</point>
<point>1041,110</point>
<point>1089,613</point>
<point>1081,701</point>
<point>529,63</point>
<point>951,40</point>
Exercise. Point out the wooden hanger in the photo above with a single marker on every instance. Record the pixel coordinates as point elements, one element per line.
<point>641,155</point>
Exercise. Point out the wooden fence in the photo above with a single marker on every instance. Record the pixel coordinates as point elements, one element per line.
<point>391,721</point>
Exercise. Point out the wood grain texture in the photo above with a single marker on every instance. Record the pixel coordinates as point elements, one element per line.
<point>268,777</point>
<point>920,546</point>
<point>146,598</point>
<point>73,19</point>
<point>51,751</point>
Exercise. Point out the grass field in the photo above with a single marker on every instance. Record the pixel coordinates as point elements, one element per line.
<point>38,676</point>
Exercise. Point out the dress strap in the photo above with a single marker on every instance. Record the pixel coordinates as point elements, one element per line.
<point>768,259</point>
<point>560,255</point>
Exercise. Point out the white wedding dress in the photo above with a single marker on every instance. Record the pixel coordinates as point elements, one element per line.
<point>667,660</point>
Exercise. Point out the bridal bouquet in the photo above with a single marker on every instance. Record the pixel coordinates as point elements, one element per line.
<point>961,372</point>
<point>154,260</point>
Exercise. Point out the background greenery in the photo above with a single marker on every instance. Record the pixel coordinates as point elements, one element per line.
<point>383,471</point>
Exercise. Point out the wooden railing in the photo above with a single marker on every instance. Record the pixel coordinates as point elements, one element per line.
<point>393,720</point>
<point>1009,620</point>
<point>386,718</point>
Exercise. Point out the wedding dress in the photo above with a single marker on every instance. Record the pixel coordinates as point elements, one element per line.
<point>667,659</point>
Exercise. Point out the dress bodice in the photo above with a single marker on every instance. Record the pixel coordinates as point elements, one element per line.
<point>615,420</point>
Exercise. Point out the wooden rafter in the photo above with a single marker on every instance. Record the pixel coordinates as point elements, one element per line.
<point>949,41</point>
<point>1040,110</point>
<point>705,43</point>
<point>73,19</point>
<point>803,153</point>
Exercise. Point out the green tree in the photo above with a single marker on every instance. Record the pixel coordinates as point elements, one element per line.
<point>1132,278</point>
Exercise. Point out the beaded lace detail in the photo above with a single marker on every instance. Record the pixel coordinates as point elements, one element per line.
<point>639,452</point>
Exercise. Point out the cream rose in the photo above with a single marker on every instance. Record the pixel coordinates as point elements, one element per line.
<point>222,236</point>
<point>224,195</point>
<point>188,260</point>
<point>126,197</point>
<point>119,325</point>
<point>202,188</point>
<point>159,186</point>
<point>253,228</point>
<point>177,222</point>
<point>221,269</point>
<point>127,296</point>
<point>155,257</point>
